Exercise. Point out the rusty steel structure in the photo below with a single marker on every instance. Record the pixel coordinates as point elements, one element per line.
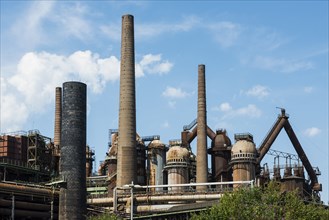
<point>220,152</point>
<point>155,162</point>
<point>72,203</point>
<point>283,122</point>
<point>126,167</point>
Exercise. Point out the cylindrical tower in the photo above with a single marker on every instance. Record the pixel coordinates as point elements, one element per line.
<point>57,130</point>
<point>177,165</point>
<point>202,158</point>
<point>156,161</point>
<point>58,116</point>
<point>243,158</point>
<point>127,112</point>
<point>73,152</point>
<point>220,156</point>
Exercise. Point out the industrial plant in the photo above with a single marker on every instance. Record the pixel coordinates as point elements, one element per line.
<point>140,177</point>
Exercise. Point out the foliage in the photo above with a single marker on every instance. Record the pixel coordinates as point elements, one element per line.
<point>258,203</point>
<point>104,217</point>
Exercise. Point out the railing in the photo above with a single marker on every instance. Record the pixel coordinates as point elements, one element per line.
<point>14,162</point>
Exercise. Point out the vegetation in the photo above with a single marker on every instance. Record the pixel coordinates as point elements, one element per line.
<point>258,203</point>
<point>104,217</point>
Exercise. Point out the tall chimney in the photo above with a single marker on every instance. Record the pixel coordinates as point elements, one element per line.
<point>58,116</point>
<point>127,163</point>
<point>57,130</point>
<point>201,160</point>
<point>72,200</point>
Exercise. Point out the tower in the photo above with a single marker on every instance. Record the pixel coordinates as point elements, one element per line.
<point>126,167</point>
<point>72,200</point>
<point>202,159</point>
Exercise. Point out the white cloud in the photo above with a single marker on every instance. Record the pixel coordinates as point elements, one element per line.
<point>250,111</point>
<point>281,65</point>
<point>38,74</point>
<point>153,64</point>
<point>311,132</point>
<point>224,107</point>
<point>258,91</point>
<point>172,92</point>
<point>13,112</point>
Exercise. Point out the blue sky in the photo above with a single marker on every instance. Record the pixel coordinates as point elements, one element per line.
<point>258,56</point>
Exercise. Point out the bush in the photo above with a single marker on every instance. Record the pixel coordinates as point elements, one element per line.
<point>258,203</point>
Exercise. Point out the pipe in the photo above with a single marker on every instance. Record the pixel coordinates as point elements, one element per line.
<point>125,187</point>
<point>202,157</point>
<point>30,205</point>
<point>115,199</point>
<point>127,162</point>
<point>157,198</point>
<point>26,190</point>
<point>155,208</point>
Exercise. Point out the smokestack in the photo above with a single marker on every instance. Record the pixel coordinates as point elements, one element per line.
<point>72,201</point>
<point>126,168</point>
<point>201,161</point>
<point>58,117</point>
<point>57,130</point>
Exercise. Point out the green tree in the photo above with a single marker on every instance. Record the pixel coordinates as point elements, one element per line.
<point>267,203</point>
<point>104,217</point>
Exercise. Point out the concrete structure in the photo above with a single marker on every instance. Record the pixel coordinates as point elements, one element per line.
<point>73,152</point>
<point>127,163</point>
<point>202,157</point>
<point>243,158</point>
